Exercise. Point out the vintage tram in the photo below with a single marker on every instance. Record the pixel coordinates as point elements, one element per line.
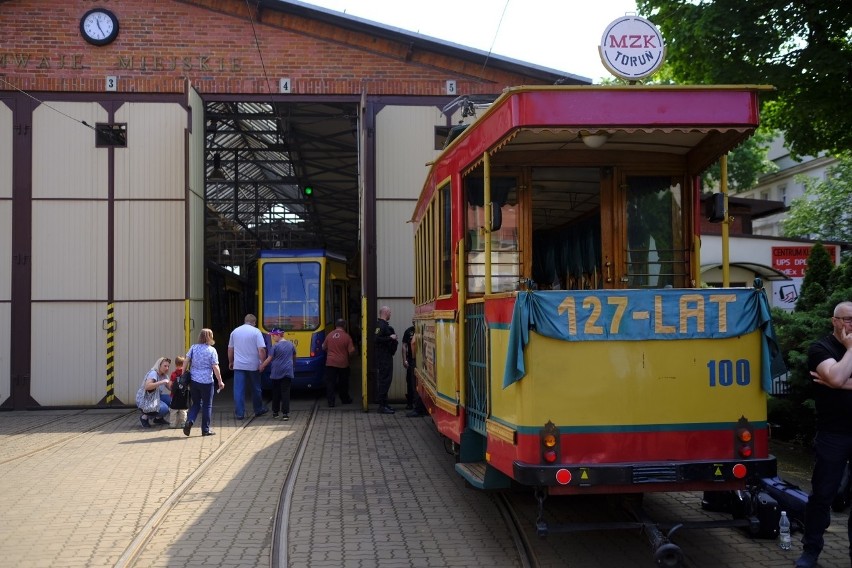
<point>565,341</point>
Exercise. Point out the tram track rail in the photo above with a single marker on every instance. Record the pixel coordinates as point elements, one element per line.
<point>26,433</point>
<point>148,532</point>
<point>514,524</point>
<point>280,556</point>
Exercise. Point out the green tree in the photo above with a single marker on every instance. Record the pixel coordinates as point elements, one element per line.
<point>817,281</point>
<point>801,47</point>
<point>825,209</point>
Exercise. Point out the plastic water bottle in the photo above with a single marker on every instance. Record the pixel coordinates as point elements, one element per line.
<point>784,540</point>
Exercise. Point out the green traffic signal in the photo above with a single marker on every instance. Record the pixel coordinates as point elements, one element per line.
<point>308,191</point>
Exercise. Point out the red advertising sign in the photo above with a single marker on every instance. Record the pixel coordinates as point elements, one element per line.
<point>793,261</point>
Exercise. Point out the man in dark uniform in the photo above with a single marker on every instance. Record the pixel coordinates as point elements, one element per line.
<point>385,347</point>
<point>830,362</point>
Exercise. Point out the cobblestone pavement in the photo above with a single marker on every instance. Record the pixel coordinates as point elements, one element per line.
<point>92,488</point>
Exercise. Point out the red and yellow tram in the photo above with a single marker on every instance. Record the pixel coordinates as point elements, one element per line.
<point>564,339</point>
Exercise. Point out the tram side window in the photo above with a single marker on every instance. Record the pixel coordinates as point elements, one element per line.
<point>446,204</point>
<point>505,253</point>
<point>656,257</point>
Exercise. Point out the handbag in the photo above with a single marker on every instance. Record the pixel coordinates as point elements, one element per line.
<point>147,401</point>
<point>186,376</point>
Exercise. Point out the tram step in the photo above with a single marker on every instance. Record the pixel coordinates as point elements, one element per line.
<point>483,476</point>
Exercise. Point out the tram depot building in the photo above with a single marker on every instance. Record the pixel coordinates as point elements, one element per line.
<point>118,119</point>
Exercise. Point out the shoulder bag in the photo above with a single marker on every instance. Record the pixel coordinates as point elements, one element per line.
<point>147,401</point>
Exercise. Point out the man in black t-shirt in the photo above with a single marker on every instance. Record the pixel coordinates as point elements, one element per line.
<point>830,363</point>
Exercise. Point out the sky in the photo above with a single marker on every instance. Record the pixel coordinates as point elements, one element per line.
<point>562,35</point>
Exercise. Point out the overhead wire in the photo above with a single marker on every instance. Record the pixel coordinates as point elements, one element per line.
<point>496,33</point>
<point>41,102</point>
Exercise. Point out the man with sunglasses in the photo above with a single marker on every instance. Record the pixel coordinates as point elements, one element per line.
<point>830,363</point>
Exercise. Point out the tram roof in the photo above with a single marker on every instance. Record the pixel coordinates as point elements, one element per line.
<point>299,253</point>
<point>700,123</point>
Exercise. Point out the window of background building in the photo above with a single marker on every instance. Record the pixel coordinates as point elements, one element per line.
<point>782,194</point>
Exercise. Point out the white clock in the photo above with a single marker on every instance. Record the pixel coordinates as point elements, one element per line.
<point>99,26</point>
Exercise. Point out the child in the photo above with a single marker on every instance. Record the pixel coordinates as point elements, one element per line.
<point>180,398</point>
<point>282,362</point>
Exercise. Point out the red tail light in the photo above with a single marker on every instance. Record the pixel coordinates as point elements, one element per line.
<point>549,438</point>
<point>744,439</point>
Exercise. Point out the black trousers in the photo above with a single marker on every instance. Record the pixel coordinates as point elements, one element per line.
<point>281,395</point>
<point>337,384</point>
<point>384,376</point>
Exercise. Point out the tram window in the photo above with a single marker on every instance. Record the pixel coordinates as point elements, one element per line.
<point>505,255</point>
<point>655,257</point>
<point>566,228</point>
<point>446,241</point>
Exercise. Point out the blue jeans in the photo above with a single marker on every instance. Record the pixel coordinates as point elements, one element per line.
<point>163,412</point>
<point>831,452</point>
<point>202,401</point>
<point>241,378</point>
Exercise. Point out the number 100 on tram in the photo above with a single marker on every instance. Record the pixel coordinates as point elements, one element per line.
<point>564,339</point>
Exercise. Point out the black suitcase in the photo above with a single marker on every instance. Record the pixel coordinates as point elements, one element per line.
<point>789,497</point>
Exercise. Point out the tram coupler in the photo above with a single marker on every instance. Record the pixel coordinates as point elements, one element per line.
<point>541,527</point>
<point>666,553</point>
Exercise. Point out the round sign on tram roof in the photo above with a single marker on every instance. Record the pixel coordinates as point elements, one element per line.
<point>632,48</point>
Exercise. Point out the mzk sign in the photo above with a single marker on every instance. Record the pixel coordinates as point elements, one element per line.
<point>632,48</point>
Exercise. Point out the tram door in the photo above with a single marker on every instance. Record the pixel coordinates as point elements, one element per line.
<point>651,233</point>
<point>507,272</point>
<point>567,207</point>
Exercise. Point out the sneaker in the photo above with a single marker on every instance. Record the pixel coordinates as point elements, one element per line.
<point>386,410</point>
<point>187,428</point>
<point>261,412</point>
<point>275,415</point>
<point>144,420</point>
<point>160,421</point>
<point>414,414</point>
<point>285,417</point>
<point>239,417</point>
<point>807,560</point>
<point>208,433</point>
<point>409,407</point>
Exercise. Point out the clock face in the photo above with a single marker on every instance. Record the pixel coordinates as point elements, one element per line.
<point>99,26</point>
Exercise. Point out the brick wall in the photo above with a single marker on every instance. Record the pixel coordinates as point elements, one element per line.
<point>212,43</point>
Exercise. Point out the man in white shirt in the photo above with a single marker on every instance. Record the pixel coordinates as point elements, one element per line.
<point>246,351</point>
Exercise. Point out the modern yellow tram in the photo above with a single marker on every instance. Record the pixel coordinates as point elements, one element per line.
<point>565,341</point>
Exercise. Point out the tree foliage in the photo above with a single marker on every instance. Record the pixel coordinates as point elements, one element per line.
<point>801,47</point>
<point>825,209</point>
<point>746,163</point>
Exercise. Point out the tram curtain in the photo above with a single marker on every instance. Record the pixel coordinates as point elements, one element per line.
<point>546,313</point>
